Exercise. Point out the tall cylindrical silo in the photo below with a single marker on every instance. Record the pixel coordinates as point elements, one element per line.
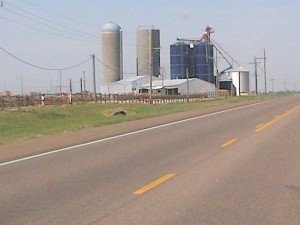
<point>180,60</point>
<point>112,52</point>
<point>148,51</point>
<point>204,55</point>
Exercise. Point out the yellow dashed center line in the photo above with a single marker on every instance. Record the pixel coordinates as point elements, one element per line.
<point>230,142</point>
<point>259,125</point>
<point>258,128</point>
<point>153,184</point>
<point>276,118</point>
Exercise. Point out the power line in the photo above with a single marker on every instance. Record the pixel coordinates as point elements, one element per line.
<point>264,70</point>
<point>57,14</point>
<point>49,21</point>
<point>284,82</point>
<point>48,32</point>
<point>110,67</point>
<point>261,69</point>
<point>50,26</point>
<point>43,68</point>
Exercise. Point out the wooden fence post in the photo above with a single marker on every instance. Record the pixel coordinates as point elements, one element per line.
<point>2,103</point>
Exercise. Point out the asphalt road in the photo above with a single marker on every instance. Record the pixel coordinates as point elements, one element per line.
<point>238,166</point>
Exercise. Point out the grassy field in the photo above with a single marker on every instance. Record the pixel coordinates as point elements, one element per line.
<point>40,121</point>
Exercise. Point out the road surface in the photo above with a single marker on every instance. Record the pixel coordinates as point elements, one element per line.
<point>239,166</point>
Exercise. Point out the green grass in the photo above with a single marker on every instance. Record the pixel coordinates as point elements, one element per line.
<point>41,121</point>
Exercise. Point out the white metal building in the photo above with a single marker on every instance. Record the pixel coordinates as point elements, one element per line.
<point>236,81</point>
<point>126,86</point>
<point>180,86</point>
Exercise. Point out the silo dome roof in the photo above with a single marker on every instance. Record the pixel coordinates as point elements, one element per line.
<point>111,27</point>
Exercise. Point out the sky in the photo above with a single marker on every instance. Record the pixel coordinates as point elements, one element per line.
<point>61,33</point>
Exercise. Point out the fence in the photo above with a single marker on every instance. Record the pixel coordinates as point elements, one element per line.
<point>158,99</point>
<point>13,102</point>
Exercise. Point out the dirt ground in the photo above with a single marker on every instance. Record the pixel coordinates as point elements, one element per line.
<point>20,149</point>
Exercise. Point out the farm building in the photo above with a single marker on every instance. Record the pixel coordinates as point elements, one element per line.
<point>127,85</point>
<point>179,86</point>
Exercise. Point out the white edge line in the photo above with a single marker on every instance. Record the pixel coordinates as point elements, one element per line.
<point>128,134</point>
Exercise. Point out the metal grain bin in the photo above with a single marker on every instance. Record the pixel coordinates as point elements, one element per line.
<point>204,53</point>
<point>179,59</point>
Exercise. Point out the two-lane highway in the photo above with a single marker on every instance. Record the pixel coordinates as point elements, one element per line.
<point>238,166</point>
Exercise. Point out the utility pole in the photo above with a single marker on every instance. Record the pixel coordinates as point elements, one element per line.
<point>84,87</point>
<point>22,86</point>
<point>239,83</point>
<point>60,81</point>
<point>162,76</point>
<point>265,71</point>
<point>191,46</point>
<point>71,92</point>
<point>94,78</point>
<point>162,80</point>
<point>255,74</point>
<point>284,82</point>
<point>50,85</point>
<point>272,81</point>
<point>151,65</point>
<point>217,70</point>
<point>81,85</point>
<point>187,85</point>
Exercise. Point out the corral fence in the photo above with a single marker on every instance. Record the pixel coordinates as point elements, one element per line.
<point>13,102</point>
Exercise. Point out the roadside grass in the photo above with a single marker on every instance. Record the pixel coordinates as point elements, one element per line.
<point>41,121</point>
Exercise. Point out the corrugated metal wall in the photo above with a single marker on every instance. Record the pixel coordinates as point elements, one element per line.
<point>198,60</point>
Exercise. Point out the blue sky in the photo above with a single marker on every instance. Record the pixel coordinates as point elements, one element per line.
<point>243,28</point>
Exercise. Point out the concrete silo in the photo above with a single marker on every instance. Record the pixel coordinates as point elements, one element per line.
<point>148,51</point>
<point>112,52</point>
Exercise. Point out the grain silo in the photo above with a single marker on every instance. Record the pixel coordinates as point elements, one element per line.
<point>193,57</point>
<point>112,52</point>
<point>180,57</point>
<point>204,61</point>
<point>148,51</point>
